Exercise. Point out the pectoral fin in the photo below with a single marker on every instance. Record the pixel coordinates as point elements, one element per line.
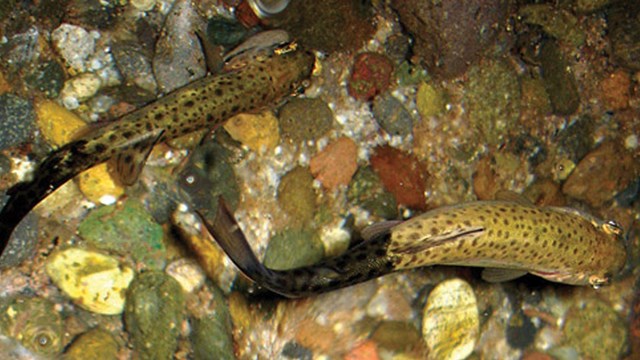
<point>379,228</point>
<point>508,195</point>
<point>495,275</point>
<point>128,164</point>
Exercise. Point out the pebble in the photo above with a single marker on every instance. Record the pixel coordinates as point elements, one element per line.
<point>402,175</point>
<point>132,60</point>
<point>95,344</point>
<point>392,116</point>
<point>451,323</point>
<point>430,100</point>
<point>293,350</point>
<point>259,132</point>
<point>224,31</point>
<point>306,243</point>
<point>47,78</point>
<point>90,279</point>
<point>614,90</point>
<point>559,23</point>
<point>23,243</point>
<point>211,329</point>
<point>75,45</point>
<point>143,5</point>
<point>80,88</point>
<point>16,120</point>
<point>296,195</point>
<point>451,36</point>
<point>35,323</point>
<point>576,140</point>
<point>188,273</point>
<point>57,125</point>
<point>492,98</point>
<point>520,330</point>
<point>624,33</point>
<point>335,165</point>
<point>20,50</point>
<point>153,315</point>
<point>410,75</point>
<point>303,119</point>
<point>558,79</point>
<point>606,340</point>
<point>126,229</point>
<point>602,174</point>
<point>178,58</point>
<point>396,336</point>
<point>370,76</point>
<point>366,190</point>
<point>368,350</point>
<point>97,185</point>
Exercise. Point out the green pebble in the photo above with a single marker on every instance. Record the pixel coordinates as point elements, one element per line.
<point>366,190</point>
<point>558,23</point>
<point>305,119</point>
<point>607,340</point>
<point>430,100</point>
<point>96,344</point>
<point>211,333</point>
<point>492,97</point>
<point>296,195</point>
<point>409,75</point>
<point>225,32</point>
<point>293,248</point>
<point>35,323</point>
<point>153,314</point>
<point>392,116</point>
<point>126,230</point>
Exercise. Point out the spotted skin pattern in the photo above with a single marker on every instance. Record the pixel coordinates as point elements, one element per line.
<point>558,244</point>
<point>260,80</point>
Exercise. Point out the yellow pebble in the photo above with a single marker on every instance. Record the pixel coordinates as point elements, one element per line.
<point>259,132</point>
<point>98,185</point>
<point>57,124</point>
<point>430,100</point>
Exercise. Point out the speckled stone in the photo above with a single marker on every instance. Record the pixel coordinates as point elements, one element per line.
<point>296,195</point>
<point>366,190</point>
<point>47,78</point>
<point>96,344</point>
<point>392,116</point>
<point>451,321</point>
<point>133,63</point>
<point>492,98</point>
<point>212,329</point>
<point>153,315</point>
<point>74,44</point>
<point>57,125</point>
<point>303,119</point>
<point>92,280</point>
<point>23,243</point>
<point>370,76</point>
<point>80,88</point>
<point>16,120</point>
<point>430,100</point>
<point>259,132</point>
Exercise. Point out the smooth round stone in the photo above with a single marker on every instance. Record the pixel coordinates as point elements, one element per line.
<point>451,322</point>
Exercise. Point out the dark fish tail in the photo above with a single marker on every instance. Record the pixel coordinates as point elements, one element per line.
<point>366,261</point>
<point>58,168</point>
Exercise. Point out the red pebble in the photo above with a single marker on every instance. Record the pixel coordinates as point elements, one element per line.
<point>402,175</point>
<point>370,76</point>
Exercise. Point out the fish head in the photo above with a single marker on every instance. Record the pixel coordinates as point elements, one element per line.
<point>290,67</point>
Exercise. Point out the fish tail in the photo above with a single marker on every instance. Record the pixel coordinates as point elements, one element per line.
<point>365,261</point>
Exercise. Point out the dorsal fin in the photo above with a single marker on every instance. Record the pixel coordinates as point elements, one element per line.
<point>512,196</point>
<point>376,229</point>
<point>128,164</point>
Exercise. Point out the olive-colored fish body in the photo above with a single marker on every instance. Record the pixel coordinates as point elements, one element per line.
<point>558,244</point>
<point>262,79</point>
<point>508,238</point>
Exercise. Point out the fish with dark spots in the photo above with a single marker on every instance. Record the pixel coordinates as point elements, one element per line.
<point>127,141</point>
<point>591,251</point>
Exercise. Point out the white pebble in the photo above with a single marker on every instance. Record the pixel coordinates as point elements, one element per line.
<point>631,142</point>
<point>74,44</point>
<point>143,5</point>
<point>82,87</point>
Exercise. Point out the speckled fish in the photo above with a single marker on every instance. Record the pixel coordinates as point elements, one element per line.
<point>261,79</point>
<point>507,238</point>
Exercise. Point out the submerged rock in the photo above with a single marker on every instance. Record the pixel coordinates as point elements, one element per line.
<point>293,248</point>
<point>303,119</point>
<point>153,315</point>
<point>296,195</point>
<point>211,329</point>
<point>96,344</point>
<point>16,120</point>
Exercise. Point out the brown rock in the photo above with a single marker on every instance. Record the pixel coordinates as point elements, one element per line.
<point>614,90</point>
<point>402,175</point>
<point>603,173</point>
<point>336,164</point>
<point>485,180</point>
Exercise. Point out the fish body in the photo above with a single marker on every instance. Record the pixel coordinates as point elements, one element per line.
<point>508,238</point>
<point>261,79</point>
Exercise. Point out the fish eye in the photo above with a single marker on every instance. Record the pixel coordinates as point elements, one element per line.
<point>612,227</point>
